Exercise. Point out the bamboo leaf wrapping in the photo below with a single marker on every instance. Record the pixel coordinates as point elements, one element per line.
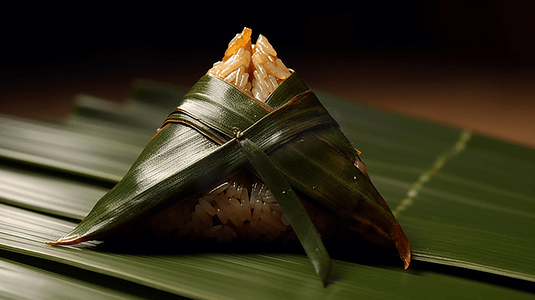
<point>292,207</point>
<point>195,149</point>
<point>443,224</point>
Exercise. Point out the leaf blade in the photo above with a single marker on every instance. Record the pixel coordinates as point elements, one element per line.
<point>215,275</point>
<point>291,206</point>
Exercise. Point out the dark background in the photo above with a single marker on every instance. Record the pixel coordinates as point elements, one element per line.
<point>463,63</point>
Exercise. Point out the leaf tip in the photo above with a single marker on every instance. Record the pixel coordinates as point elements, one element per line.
<point>402,245</point>
<point>407,261</point>
<point>66,240</point>
<point>325,273</point>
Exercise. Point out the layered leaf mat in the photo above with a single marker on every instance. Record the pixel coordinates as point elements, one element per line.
<point>466,203</point>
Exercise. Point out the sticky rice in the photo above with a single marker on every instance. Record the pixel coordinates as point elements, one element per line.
<point>241,207</point>
<point>252,68</point>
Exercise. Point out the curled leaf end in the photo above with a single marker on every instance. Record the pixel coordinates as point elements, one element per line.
<point>407,261</point>
<point>402,245</point>
<point>66,240</point>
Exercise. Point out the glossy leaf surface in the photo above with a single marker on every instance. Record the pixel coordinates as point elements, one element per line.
<point>474,213</point>
<point>194,150</point>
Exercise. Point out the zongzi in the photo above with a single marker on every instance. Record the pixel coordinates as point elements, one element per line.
<point>194,181</point>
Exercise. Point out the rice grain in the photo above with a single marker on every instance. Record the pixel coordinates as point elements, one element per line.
<point>213,231</point>
<point>207,207</point>
<point>222,217</point>
<point>260,79</point>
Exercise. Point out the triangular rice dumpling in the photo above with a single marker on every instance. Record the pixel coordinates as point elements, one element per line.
<point>194,181</point>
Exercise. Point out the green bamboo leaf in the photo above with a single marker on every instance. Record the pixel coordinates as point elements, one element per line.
<point>55,281</point>
<point>110,130</point>
<point>243,276</point>
<point>474,213</point>
<point>131,114</point>
<point>192,151</point>
<point>47,192</point>
<point>466,216</point>
<point>291,206</point>
<point>38,144</point>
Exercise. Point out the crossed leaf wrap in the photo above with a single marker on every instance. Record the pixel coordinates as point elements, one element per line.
<point>195,148</point>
